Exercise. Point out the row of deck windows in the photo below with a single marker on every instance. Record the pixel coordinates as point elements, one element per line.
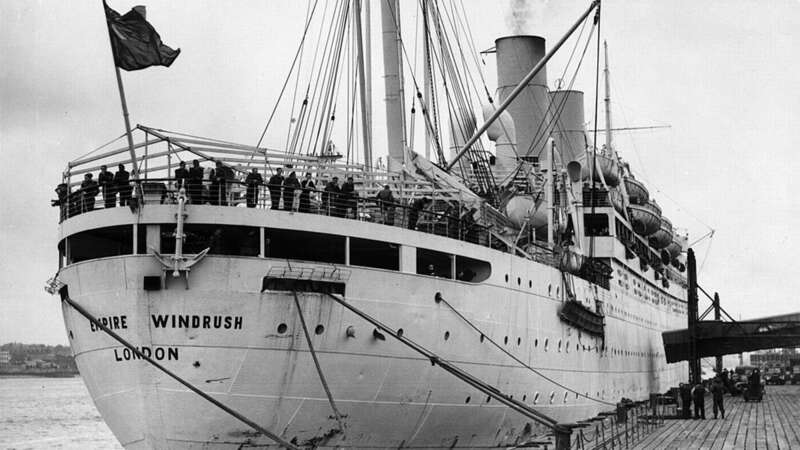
<point>231,240</point>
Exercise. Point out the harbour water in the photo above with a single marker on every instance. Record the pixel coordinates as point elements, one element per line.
<point>50,413</point>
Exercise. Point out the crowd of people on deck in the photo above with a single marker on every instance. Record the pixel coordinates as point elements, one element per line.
<point>214,186</point>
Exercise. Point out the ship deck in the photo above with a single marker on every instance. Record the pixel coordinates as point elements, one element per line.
<point>773,423</point>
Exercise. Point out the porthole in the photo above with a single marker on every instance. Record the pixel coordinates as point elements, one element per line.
<point>530,283</point>
<point>488,398</point>
<point>559,345</point>
<point>400,332</point>
<point>519,281</point>
<point>446,335</point>
<point>552,396</point>
<point>467,400</point>
<point>482,337</point>
<point>558,291</point>
<point>519,341</point>
<point>524,397</point>
<point>505,341</point>
<point>536,398</point>
<point>319,330</point>
<point>536,342</point>
<point>506,278</point>
<point>282,328</point>
<point>546,343</point>
<point>549,290</point>
<point>565,396</point>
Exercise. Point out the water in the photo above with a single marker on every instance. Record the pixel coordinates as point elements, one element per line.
<point>45,413</point>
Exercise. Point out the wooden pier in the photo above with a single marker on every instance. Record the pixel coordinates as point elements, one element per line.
<point>774,423</point>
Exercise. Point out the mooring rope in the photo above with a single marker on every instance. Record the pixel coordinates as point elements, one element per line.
<point>215,402</point>
<point>336,412</point>
<point>439,298</point>
<point>459,373</point>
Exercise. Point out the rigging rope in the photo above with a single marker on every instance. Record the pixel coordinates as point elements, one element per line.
<point>459,373</point>
<point>519,361</point>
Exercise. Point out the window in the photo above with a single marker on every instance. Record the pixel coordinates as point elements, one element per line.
<point>369,253</point>
<point>219,239</point>
<point>100,243</point>
<point>596,224</point>
<point>433,263</point>
<point>304,245</point>
<point>472,270</point>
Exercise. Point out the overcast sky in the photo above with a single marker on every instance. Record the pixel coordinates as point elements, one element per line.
<point>722,74</point>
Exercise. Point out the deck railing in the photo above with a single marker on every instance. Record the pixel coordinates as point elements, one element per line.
<point>439,217</point>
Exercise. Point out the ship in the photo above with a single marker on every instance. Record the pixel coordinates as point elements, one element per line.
<point>519,282</point>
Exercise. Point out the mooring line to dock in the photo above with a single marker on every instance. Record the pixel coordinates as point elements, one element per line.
<point>439,298</point>
<point>459,373</point>
<point>336,413</point>
<point>65,298</point>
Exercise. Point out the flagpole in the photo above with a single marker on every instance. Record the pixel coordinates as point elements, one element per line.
<point>128,131</point>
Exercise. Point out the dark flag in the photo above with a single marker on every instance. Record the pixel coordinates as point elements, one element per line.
<point>134,42</point>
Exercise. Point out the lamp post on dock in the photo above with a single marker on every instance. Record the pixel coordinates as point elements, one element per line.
<point>692,300</point>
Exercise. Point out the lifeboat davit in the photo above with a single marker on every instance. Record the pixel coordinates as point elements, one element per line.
<point>663,237</point>
<point>606,165</point>
<point>645,219</point>
<point>637,192</point>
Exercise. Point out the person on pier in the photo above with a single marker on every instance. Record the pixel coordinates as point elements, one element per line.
<point>275,186</point>
<point>717,392</point>
<point>699,397</point>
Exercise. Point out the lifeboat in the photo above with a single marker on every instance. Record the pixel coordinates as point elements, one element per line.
<point>674,248</point>
<point>663,237</point>
<point>523,208</point>
<point>645,219</point>
<point>606,165</point>
<point>615,197</point>
<point>637,192</point>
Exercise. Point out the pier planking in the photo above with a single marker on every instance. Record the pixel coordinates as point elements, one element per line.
<point>773,423</point>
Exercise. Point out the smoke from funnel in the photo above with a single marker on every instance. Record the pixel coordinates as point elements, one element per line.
<point>525,16</point>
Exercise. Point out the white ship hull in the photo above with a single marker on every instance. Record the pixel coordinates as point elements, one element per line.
<point>222,335</point>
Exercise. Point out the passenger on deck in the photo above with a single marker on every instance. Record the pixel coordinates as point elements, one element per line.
<point>253,181</point>
<point>290,186</point>
<point>330,198</point>
<point>195,183</point>
<point>416,207</point>
<point>307,186</point>
<point>122,185</point>
<point>181,176</point>
<point>349,198</point>
<point>275,186</point>
<point>90,190</point>
<point>431,270</point>
<point>106,181</point>
<point>386,202</point>
<point>219,184</point>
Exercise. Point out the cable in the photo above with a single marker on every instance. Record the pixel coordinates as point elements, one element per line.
<point>484,335</point>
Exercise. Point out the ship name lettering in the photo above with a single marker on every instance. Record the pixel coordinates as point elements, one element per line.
<point>157,353</point>
<point>111,322</point>
<point>196,321</point>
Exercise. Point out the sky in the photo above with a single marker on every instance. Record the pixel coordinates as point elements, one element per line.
<point>721,74</point>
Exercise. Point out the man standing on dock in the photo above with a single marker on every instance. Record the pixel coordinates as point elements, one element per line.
<point>699,397</point>
<point>717,391</point>
<point>686,401</point>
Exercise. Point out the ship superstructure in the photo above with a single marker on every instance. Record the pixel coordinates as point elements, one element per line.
<point>543,270</point>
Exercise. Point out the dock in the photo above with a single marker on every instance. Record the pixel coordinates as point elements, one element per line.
<point>773,423</point>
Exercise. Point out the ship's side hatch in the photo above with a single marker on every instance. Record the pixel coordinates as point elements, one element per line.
<point>578,315</point>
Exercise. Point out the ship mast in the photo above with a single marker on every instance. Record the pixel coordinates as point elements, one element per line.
<point>362,77</point>
<point>393,83</point>
<point>607,100</point>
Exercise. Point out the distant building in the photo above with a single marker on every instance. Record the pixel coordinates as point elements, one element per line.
<point>5,357</point>
<point>774,358</point>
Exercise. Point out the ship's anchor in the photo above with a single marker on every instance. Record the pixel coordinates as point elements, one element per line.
<point>178,263</point>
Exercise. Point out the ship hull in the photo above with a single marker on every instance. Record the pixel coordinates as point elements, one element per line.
<point>225,336</point>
